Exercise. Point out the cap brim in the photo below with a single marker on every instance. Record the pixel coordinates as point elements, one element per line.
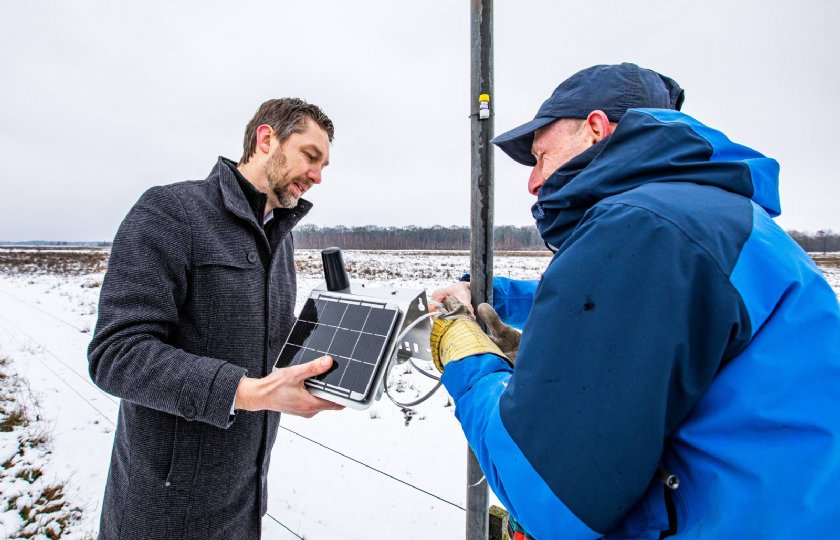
<point>517,142</point>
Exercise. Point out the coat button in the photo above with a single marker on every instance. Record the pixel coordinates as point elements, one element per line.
<point>252,257</point>
<point>189,411</point>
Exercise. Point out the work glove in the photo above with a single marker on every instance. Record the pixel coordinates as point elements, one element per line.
<point>505,337</point>
<point>456,335</point>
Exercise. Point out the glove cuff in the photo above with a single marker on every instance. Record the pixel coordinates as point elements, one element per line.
<point>456,339</point>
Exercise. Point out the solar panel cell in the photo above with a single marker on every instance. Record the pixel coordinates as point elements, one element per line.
<point>359,377</point>
<point>332,313</point>
<point>355,316</point>
<point>310,310</point>
<point>321,338</point>
<point>379,322</point>
<point>344,342</point>
<point>368,348</point>
<point>301,333</point>
<point>287,355</point>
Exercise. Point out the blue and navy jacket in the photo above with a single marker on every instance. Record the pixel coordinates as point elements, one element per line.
<point>676,327</point>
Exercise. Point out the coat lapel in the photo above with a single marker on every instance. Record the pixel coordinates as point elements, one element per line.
<point>232,195</point>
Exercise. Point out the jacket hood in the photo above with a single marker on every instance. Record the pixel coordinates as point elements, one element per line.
<point>652,145</point>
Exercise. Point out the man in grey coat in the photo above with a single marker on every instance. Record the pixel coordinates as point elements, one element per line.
<point>195,306</point>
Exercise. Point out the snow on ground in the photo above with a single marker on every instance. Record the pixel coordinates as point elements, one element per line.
<point>829,263</point>
<point>833,277</point>
<point>380,473</point>
<point>374,474</point>
<point>45,323</point>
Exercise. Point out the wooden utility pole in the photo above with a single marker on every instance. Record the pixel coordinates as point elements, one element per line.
<point>481,219</point>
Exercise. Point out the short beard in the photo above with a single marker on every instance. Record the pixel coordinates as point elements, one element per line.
<point>279,181</point>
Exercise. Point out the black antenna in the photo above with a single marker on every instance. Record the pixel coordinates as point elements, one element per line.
<point>335,273</point>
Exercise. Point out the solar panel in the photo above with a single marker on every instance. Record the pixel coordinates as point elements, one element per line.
<point>356,332</point>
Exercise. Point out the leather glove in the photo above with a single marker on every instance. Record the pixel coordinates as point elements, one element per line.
<point>456,335</point>
<point>505,337</point>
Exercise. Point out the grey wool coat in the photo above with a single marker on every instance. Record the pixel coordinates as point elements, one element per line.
<point>194,298</point>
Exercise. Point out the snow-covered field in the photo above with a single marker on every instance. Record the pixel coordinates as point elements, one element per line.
<point>375,474</point>
<point>380,473</point>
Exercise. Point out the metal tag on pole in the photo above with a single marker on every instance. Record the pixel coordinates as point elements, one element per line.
<point>481,219</point>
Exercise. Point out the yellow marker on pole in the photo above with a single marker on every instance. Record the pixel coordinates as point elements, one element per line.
<point>484,106</point>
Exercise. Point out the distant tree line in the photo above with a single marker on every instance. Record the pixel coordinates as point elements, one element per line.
<point>54,243</point>
<point>505,237</point>
<point>823,240</point>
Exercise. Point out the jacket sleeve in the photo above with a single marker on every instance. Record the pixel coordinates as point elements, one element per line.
<point>630,323</point>
<point>512,299</point>
<point>131,355</point>
<point>476,383</point>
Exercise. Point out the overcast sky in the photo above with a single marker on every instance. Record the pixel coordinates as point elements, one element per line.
<point>101,100</point>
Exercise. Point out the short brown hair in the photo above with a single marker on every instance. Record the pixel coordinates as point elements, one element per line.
<point>285,116</point>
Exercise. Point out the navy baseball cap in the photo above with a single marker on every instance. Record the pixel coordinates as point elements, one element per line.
<point>609,88</point>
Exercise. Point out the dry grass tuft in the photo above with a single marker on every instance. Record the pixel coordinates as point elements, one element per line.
<point>29,474</point>
<point>43,509</point>
<point>827,260</point>
<point>36,440</point>
<point>16,418</point>
<point>49,516</point>
<point>35,260</point>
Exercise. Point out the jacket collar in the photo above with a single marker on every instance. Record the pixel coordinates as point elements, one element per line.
<point>237,203</point>
<point>651,146</point>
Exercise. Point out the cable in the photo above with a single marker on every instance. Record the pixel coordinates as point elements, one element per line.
<point>56,317</point>
<point>65,364</point>
<point>427,395</point>
<point>92,406</point>
<point>392,477</point>
<point>44,312</point>
<point>480,480</point>
<point>284,526</point>
<point>418,401</point>
<point>423,371</point>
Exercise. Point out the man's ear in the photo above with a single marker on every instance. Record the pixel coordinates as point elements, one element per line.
<point>264,133</point>
<point>599,126</point>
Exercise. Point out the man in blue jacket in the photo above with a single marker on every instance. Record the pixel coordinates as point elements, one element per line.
<point>676,331</point>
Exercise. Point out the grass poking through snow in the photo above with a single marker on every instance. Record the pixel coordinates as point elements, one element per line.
<point>36,507</point>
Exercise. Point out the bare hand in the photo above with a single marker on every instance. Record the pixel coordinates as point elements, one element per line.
<point>459,289</point>
<point>283,391</point>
